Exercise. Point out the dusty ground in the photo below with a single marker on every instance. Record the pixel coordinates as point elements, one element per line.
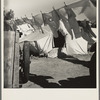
<point>67,72</point>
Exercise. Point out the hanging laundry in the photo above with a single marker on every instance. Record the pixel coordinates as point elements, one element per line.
<point>49,20</point>
<point>86,36</point>
<point>75,45</point>
<point>88,29</point>
<point>55,17</point>
<point>86,7</point>
<point>63,15</point>
<point>38,21</point>
<point>19,21</point>
<point>28,21</point>
<point>72,21</point>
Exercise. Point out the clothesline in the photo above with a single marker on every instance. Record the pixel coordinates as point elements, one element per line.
<point>73,5</point>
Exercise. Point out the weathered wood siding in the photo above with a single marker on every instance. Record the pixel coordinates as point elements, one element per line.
<point>11,59</point>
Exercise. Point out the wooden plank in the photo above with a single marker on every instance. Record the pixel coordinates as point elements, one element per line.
<point>26,58</point>
<point>16,63</point>
<point>9,37</point>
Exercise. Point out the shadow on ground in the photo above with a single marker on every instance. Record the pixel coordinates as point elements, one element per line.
<point>78,82</point>
<point>42,81</point>
<point>72,59</point>
<point>77,61</point>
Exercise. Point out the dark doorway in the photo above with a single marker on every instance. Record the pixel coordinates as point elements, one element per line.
<point>59,42</point>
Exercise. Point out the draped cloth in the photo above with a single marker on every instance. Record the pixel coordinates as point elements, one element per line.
<point>39,42</point>
<point>86,7</point>
<point>73,22</point>
<point>38,21</point>
<point>48,19</point>
<point>63,15</point>
<point>75,45</point>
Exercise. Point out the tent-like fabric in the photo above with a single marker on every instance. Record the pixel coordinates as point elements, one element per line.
<point>75,45</point>
<point>40,42</point>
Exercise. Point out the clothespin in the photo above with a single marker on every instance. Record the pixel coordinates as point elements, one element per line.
<point>41,11</point>
<point>22,18</point>
<point>53,8</point>
<point>65,4</point>
<point>25,16</point>
<point>43,17</point>
<point>31,14</point>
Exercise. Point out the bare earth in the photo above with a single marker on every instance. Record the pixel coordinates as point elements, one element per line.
<point>68,72</point>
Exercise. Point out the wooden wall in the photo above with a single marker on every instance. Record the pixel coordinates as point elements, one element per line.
<point>11,59</point>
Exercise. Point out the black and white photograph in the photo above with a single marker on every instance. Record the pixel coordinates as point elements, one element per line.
<point>50,44</point>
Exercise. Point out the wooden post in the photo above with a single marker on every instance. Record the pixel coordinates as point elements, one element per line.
<point>16,62</point>
<point>26,58</point>
<point>11,59</point>
<point>9,37</point>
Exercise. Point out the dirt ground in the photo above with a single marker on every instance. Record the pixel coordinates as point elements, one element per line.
<point>64,72</point>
